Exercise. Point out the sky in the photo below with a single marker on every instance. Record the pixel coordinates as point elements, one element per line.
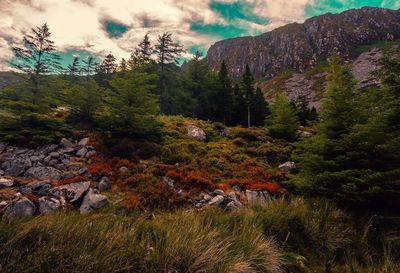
<point>98,27</point>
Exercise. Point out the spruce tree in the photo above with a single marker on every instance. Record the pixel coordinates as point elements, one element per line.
<point>283,121</point>
<point>247,86</point>
<point>224,97</point>
<point>26,114</point>
<point>259,108</point>
<point>108,65</point>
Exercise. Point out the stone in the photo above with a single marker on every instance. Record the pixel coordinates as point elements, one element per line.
<point>65,143</point>
<point>83,171</point>
<point>84,142</point>
<point>216,201</point>
<point>3,204</point>
<point>25,190</point>
<point>231,206</point>
<point>305,134</point>
<point>206,197</point>
<point>35,159</point>
<point>233,198</point>
<point>43,173</point>
<point>224,132</point>
<point>169,181</point>
<point>48,205</point>
<point>44,190</point>
<point>196,133</point>
<point>90,154</point>
<point>104,184</point>
<point>21,209</point>
<point>123,170</point>
<point>258,197</point>
<point>82,152</point>
<point>6,182</point>
<point>75,191</point>
<point>288,167</point>
<point>54,155</point>
<point>2,147</point>
<point>36,185</point>
<point>219,192</point>
<point>92,200</point>
<point>1,172</point>
<point>16,169</point>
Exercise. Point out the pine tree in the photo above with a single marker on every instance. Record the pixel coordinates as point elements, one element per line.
<point>74,69</point>
<point>167,52</point>
<point>224,98</point>
<point>247,86</point>
<point>145,49</point>
<point>90,67</point>
<point>283,121</point>
<point>123,65</point>
<point>239,109</point>
<point>108,65</point>
<point>259,108</point>
<point>26,114</point>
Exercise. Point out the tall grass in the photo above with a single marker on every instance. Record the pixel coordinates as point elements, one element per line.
<point>285,236</point>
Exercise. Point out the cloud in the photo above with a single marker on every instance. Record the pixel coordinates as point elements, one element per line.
<point>102,26</point>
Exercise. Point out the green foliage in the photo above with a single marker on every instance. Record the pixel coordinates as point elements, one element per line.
<point>130,109</point>
<point>354,158</point>
<point>283,121</point>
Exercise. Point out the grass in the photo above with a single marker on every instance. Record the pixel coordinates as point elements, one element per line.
<point>285,236</point>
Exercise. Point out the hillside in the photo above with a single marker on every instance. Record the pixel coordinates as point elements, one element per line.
<point>301,46</point>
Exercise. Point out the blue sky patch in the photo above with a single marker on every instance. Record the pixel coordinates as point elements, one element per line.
<point>114,29</point>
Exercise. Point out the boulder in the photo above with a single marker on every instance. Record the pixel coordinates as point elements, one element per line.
<point>65,143</point>
<point>90,154</point>
<point>74,192</point>
<point>305,134</point>
<point>216,201</point>
<point>48,205</point>
<point>196,133</point>
<point>123,170</point>
<point>2,147</point>
<point>288,167</point>
<point>219,192</point>
<point>82,152</point>
<point>16,169</point>
<point>258,197</point>
<point>21,209</point>
<point>1,172</point>
<point>206,197</point>
<point>84,142</point>
<point>6,182</point>
<point>233,198</point>
<point>54,155</point>
<point>92,200</point>
<point>104,184</point>
<point>43,173</point>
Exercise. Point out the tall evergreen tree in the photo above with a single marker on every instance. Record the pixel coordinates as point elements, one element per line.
<point>259,108</point>
<point>167,52</point>
<point>283,121</point>
<point>239,109</point>
<point>247,86</point>
<point>90,66</point>
<point>108,65</point>
<point>26,116</point>
<point>224,97</point>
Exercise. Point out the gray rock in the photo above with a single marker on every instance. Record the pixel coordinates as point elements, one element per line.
<point>288,167</point>
<point>305,134</point>
<point>224,132</point>
<point>25,190</point>
<point>16,169</point>
<point>2,147</point>
<point>44,190</point>
<point>82,152</point>
<point>169,181</point>
<point>123,170</point>
<point>84,142</point>
<point>35,159</point>
<point>54,155</point>
<point>1,172</point>
<point>48,205</point>
<point>233,197</point>
<point>216,201</point>
<point>37,185</point>
<point>65,143</point>
<point>43,173</point>
<point>258,197</point>
<point>90,154</point>
<point>21,209</point>
<point>6,182</point>
<point>219,192</point>
<point>75,191</point>
<point>92,200</point>
<point>104,184</point>
<point>206,197</point>
<point>67,150</point>
<point>3,204</point>
<point>82,171</point>
<point>196,133</point>
<point>231,206</point>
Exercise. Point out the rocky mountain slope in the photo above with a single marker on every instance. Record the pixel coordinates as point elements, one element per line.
<point>301,46</point>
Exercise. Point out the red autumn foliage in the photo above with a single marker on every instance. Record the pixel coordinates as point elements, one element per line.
<point>72,180</point>
<point>99,165</point>
<point>198,179</point>
<point>178,177</point>
<point>224,187</point>
<point>272,187</point>
<point>132,202</point>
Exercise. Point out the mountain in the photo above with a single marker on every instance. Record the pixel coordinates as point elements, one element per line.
<point>301,46</point>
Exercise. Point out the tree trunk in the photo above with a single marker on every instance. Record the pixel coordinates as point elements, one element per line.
<point>248,116</point>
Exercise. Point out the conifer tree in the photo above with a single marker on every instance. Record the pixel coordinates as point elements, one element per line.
<point>224,98</point>
<point>108,65</point>
<point>259,108</point>
<point>247,86</point>
<point>283,121</point>
<point>89,67</point>
<point>26,116</point>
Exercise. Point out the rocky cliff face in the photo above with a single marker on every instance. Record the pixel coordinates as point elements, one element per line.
<point>300,46</point>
